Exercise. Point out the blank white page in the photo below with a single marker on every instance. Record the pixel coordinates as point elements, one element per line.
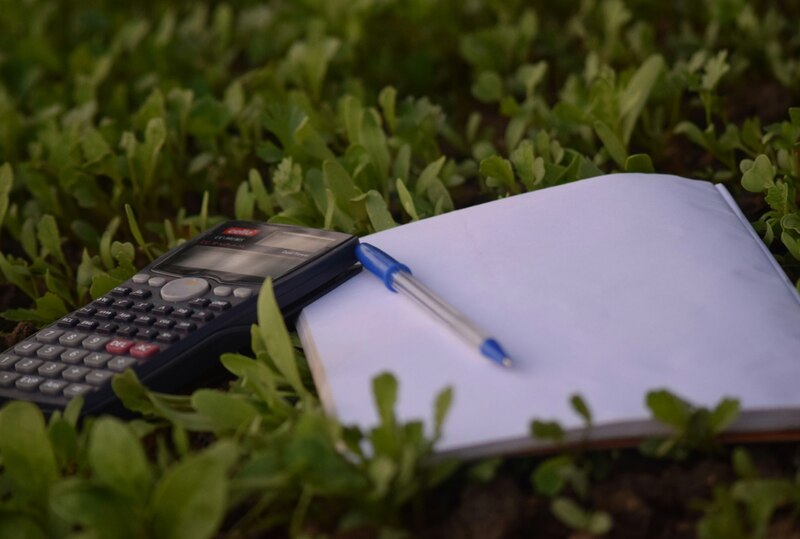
<point>608,287</point>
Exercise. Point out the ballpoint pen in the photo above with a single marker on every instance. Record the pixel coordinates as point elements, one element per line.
<point>398,278</point>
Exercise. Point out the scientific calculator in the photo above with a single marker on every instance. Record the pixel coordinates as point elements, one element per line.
<point>170,322</point>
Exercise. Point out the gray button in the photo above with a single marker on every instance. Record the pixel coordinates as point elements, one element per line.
<point>52,387</point>
<point>7,378</point>
<point>28,366</point>
<point>96,360</point>
<point>29,383</point>
<point>49,351</point>
<point>27,348</point>
<point>222,291</point>
<point>51,369</point>
<point>242,292</point>
<point>76,390</point>
<point>73,356</point>
<point>140,278</point>
<point>72,338</point>
<point>157,281</point>
<point>183,289</point>
<point>120,363</point>
<point>95,342</point>
<point>75,374</point>
<point>98,378</point>
<point>7,360</point>
<point>49,336</point>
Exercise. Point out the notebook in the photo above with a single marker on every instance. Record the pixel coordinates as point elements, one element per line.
<point>608,287</point>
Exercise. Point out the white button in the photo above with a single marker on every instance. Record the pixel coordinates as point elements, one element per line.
<point>242,292</point>
<point>183,289</point>
<point>140,278</point>
<point>222,291</point>
<point>156,281</point>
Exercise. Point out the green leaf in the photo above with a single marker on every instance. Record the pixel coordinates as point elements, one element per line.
<point>639,162</point>
<point>208,118</point>
<point>498,172</point>
<point>374,140</point>
<point>28,457</point>
<point>154,137</point>
<point>6,183</point>
<point>570,513</point>
<point>118,460</point>
<point>723,414</point>
<point>441,408</point>
<point>547,430</point>
<point>581,408</point>
<point>488,87</point>
<point>384,389</point>
<point>669,409</point>
<point>387,99</point>
<point>49,238</point>
<point>613,144</point>
<point>263,201</point>
<point>406,200</point>
<point>190,500</point>
<point>760,176</point>
<point>549,477</point>
<point>714,69</point>
<point>636,93</point>
<point>226,411</point>
<point>102,511</point>
<point>276,337</point>
<point>529,168</point>
<point>245,202</point>
<point>19,527</point>
<point>49,307</point>
<point>378,213</point>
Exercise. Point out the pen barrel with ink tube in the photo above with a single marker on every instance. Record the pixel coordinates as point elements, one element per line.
<point>398,278</point>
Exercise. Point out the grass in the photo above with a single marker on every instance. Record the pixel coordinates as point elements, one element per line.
<point>125,129</point>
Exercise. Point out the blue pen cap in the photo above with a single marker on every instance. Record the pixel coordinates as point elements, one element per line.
<point>379,263</point>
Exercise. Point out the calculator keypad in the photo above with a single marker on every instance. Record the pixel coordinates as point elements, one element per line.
<point>132,324</point>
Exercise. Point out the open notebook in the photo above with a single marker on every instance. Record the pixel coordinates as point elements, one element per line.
<point>608,287</point>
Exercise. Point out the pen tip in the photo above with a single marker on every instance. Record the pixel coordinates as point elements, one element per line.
<point>506,362</point>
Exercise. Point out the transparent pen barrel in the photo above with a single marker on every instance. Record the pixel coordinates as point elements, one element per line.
<point>424,297</point>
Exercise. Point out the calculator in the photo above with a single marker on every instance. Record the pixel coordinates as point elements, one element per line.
<point>170,322</point>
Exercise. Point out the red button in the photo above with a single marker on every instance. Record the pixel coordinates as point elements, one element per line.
<point>119,346</point>
<point>144,350</point>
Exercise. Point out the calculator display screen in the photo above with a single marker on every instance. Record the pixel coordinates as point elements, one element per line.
<point>249,254</point>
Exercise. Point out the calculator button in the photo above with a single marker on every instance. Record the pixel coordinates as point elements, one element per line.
<point>242,292</point>
<point>27,348</point>
<point>144,320</point>
<point>7,360</point>
<point>105,314</point>
<point>71,339</point>
<point>127,331</point>
<point>165,323</point>
<point>105,301</point>
<point>185,327</point>
<point>163,310</point>
<point>184,289</point>
<point>140,278</point>
<point>199,303</point>
<point>51,369</point>
<point>29,383</point>
<point>96,360</point>
<point>141,293</point>
<point>219,305</point>
<point>120,363</point>
<point>87,325</point>
<point>8,378</point>
<point>120,291</point>
<point>75,374</point>
<point>125,318</point>
<point>28,366</point>
<point>49,352</point>
<point>156,282</point>
<point>76,390</point>
<point>144,350</point>
<point>167,337</point>
<point>98,378</point>
<point>142,307</point>
<point>123,304</point>
<point>182,312</point>
<point>95,343</point>
<point>85,312</point>
<point>49,336</point>
<point>203,316</point>
<point>107,328</point>
<point>222,291</point>
<point>73,356</point>
<point>68,322</point>
<point>148,333</point>
<point>119,346</point>
<point>52,387</point>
